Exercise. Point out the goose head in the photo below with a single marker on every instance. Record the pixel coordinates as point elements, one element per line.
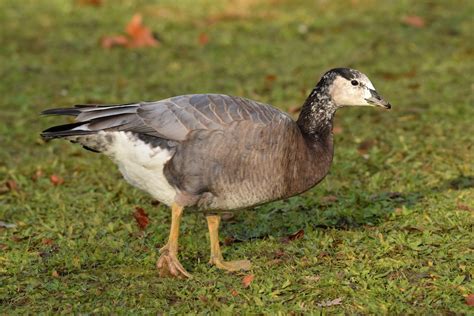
<point>350,87</point>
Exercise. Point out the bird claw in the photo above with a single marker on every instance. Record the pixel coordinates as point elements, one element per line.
<point>231,265</point>
<point>168,265</point>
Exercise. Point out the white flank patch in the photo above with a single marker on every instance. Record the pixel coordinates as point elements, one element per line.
<point>141,165</point>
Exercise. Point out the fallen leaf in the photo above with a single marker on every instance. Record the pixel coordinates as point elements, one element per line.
<point>12,185</point>
<point>414,20</point>
<point>95,3</point>
<point>115,40</point>
<point>464,207</point>
<point>55,274</point>
<point>203,39</point>
<point>470,299</point>
<point>234,293</point>
<point>47,241</point>
<point>138,36</point>
<point>141,36</point>
<point>56,180</point>
<point>141,217</point>
<point>229,240</point>
<point>365,146</point>
<point>270,78</point>
<point>298,235</point>
<point>246,280</point>
<point>336,301</point>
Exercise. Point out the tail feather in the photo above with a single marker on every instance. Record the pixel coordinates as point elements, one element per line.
<point>91,119</point>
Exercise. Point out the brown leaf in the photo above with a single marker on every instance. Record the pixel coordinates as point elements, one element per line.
<point>336,301</point>
<point>12,185</point>
<point>138,35</point>
<point>141,217</point>
<point>47,241</point>
<point>55,274</point>
<point>246,280</point>
<point>470,299</point>
<point>114,40</point>
<point>95,3</point>
<point>234,293</point>
<point>270,78</point>
<point>203,39</point>
<point>414,20</point>
<point>365,146</point>
<point>298,235</point>
<point>229,240</point>
<point>56,180</point>
<point>141,36</point>
<point>464,207</point>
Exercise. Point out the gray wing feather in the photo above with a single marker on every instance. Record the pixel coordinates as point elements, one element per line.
<point>174,118</point>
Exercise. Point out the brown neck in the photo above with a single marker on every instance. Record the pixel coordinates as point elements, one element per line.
<point>315,150</point>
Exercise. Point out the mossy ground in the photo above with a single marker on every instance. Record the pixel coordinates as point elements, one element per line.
<point>398,237</point>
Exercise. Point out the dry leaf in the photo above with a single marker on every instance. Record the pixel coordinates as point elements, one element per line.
<point>298,235</point>
<point>141,36</point>
<point>464,207</point>
<point>336,301</point>
<point>111,41</point>
<point>470,299</point>
<point>141,217</point>
<point>203,39</point>
<point>138,36</point>
<point>234,293</point>
<point>56,180</point>
<point>95,3</point>
<point>414,20</point>
<point>55,274</point>
<point>365,146</point>
<point>47,241</point>
<point>246,280</point>
<point>270,78</point>
<point>11,185</point>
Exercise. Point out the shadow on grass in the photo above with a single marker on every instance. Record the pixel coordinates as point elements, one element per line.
<point>348,211</point>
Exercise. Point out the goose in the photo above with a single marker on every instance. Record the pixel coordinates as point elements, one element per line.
<point>215,152</point>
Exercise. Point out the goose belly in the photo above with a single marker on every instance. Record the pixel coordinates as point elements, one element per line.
<point>141,164</point>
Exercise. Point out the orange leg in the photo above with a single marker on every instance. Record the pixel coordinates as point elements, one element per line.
<point>168,263</point>
<point>213,222</point>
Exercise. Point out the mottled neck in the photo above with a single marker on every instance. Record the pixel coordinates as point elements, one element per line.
<point>316,117</point>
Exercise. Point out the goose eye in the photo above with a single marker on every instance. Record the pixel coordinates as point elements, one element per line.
<point>354,82</point>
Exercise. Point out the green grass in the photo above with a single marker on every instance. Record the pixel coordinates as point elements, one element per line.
<point>399,237</point>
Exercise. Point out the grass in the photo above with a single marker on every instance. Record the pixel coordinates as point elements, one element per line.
<point>389,231</point>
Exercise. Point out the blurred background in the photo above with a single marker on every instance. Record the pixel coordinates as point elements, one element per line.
<point>411,166</point>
